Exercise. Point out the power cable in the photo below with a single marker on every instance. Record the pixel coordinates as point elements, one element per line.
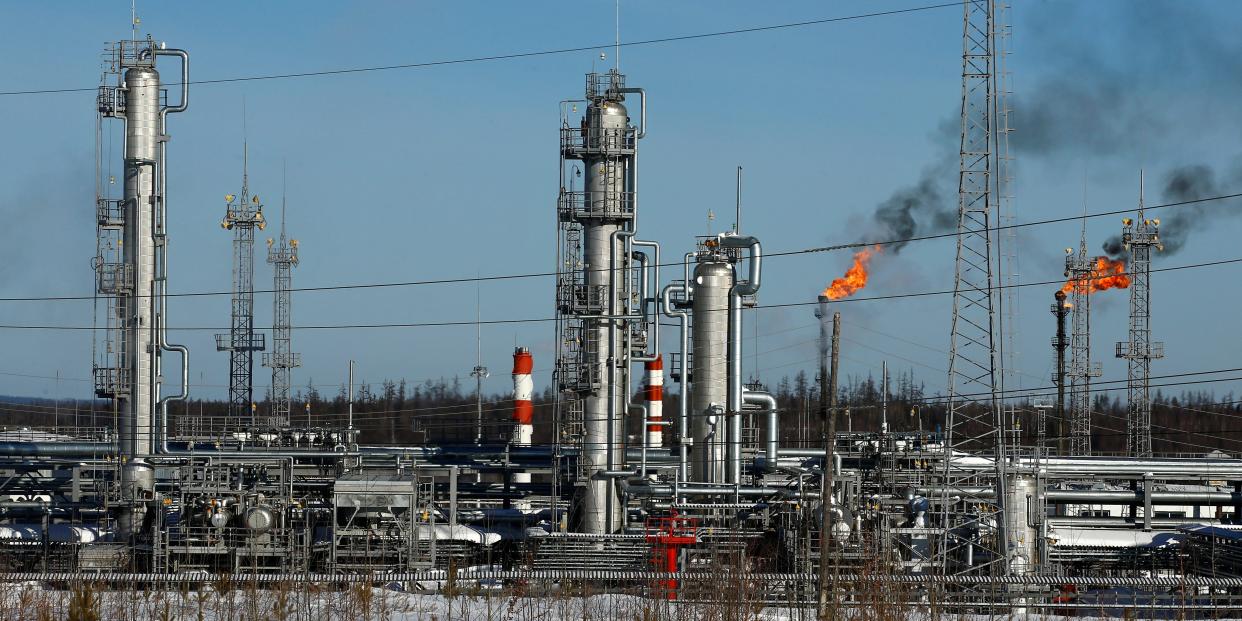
<point>766,255</point>
<point>518,55</point>
<point>428,324</point>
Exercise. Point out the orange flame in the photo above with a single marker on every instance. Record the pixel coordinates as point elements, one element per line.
<point>855,278</point>
<point>1107,274</point>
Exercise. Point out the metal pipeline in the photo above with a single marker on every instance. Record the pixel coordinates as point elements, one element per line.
<point>683,400</point>
<point>1127,497</point>
<point>653,491</point>
<point>642,116</point>
<point>772,438</point>
<point>750,287</point>
<point>161,333</point>
<point>646,294</point>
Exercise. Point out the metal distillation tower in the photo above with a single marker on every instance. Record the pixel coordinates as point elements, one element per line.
<point>243,213</point>
<point>975,424</point>
<point>599,336</point>
<point>1078,268</point>
<point>282,255</point>
<point>1139,236</point>
<point>131,260</point>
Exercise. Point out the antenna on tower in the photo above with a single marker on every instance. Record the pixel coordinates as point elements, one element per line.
<point>133,19</point>
<point>284,190</point>
<point>737,220</point>
<point>617,60</point>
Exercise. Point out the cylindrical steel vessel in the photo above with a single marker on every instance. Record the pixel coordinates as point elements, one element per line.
<point>606,181</point>
<point>142,135</point>
<point>713,279</point>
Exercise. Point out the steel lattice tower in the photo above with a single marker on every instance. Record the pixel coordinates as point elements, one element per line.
<point>1078,268</point>
<point>1139,236</point>
<point>243,213</point>
<point>975,422</point>
<point>282,255</point>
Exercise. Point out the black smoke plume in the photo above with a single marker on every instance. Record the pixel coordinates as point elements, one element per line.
<point>1181,185</point>
<point>925,207</point>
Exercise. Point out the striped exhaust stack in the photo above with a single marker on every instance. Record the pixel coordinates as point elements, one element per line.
<point>655,402</point>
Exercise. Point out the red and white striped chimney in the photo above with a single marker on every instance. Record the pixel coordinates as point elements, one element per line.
<point>655,402</point>
<point>523,410</point>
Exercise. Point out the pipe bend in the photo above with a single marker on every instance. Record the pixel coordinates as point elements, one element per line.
<point>728,240</point>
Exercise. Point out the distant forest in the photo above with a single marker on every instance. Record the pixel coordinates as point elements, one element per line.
<point>445,411</point>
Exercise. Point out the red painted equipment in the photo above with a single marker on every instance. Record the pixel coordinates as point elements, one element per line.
<point>667,535</point>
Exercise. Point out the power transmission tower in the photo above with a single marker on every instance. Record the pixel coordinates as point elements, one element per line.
<point>1079,267</point>
<point>1139,236</point>
<point>243,213</point>
<point>976,426</point>
<point>282,255</point>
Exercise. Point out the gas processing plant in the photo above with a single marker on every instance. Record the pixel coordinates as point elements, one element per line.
<point>973,517</point>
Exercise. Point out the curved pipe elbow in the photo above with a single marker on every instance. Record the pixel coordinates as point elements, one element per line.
<point>751,287</point>
<point>642,116</point>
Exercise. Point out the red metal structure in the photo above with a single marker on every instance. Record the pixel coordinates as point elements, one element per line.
<point>667,535</point>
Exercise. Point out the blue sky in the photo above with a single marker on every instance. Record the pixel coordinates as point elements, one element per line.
<point>448,171</point>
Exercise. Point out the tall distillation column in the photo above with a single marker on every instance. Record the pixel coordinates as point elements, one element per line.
<point>594,289</point>
<point>713,280</point>
<point>1139,236</point>
<point>282,255</point>
<point>131,262</point>
<point>243,213</point>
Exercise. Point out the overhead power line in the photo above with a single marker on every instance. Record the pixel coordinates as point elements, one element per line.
<point>441,324</point>
<point>520,55</point>
<point>766,255</point>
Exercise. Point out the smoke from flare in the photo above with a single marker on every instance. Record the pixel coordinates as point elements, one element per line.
<point>855,278</point>
<point>1107,274</point>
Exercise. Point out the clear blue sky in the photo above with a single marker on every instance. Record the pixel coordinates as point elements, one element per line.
<point>448,171</point>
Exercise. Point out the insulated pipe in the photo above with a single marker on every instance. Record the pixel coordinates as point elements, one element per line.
<point>772,439</point>
<point>162,283</point>
<point>1126,497</point>
<point>642,115</point>
<point>1230,469</point>
<point>683,418</point>
<point>751,287</point>
<point>647,296</point>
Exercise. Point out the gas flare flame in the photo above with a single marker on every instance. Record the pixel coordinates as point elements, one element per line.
<point>855,278</point>
<point>1107,274</point>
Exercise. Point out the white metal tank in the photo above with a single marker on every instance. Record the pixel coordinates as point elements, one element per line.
<point>713,279</point>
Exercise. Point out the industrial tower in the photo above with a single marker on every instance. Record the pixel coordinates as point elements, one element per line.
<point>597,337</point>
<point>1078,269</point>
<point>131,262</point>
<point>282,255</point>
<point>1139,236</point>
<point>975,421</point>
<point>243,213</point>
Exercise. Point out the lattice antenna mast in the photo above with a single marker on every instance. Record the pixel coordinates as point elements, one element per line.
<point>243,214</point>
<point>1078,268</point>
<point>1139,237</point>
<point>975,426</point>
<point>282,255</point>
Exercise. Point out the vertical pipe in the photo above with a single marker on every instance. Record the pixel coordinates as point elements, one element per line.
<point>683,421</point>
<point>739,289</point>
<point>351,399</point>
<point>884,398</point>
<point>1061,309</point>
